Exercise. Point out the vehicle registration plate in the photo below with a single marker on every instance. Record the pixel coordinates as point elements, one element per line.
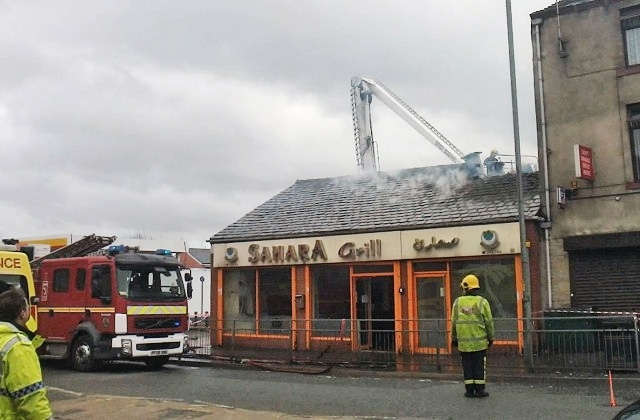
<point>159,352</point>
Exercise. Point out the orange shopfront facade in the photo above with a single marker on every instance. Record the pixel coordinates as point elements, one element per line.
<point>387,291</point>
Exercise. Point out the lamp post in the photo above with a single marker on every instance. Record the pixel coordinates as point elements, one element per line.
<point>528,351</point>
<point>202,296</point>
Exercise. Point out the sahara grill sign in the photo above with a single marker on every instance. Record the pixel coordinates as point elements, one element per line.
<point>442,243</point>
<point>304,253</point>
<point>421,245</point>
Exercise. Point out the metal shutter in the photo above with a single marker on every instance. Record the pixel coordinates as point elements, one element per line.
<point>605,279</point>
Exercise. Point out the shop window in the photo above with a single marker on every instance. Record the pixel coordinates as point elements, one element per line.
<point>239,301</point>
<point>631,32</point>
<point>331,301</point>
<point>497,285</point>
<point>257,301</point>
<point>274,286</point>
<point>634,127</point>
<point>61,280</point>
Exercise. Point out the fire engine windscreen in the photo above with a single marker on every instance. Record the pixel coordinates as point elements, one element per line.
<point>150,283</point>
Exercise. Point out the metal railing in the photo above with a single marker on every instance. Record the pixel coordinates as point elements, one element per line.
<point>559,343</point>
<point>199,339</point>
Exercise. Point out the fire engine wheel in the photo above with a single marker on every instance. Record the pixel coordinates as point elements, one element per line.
<point>156,362</point>
<point>82,354</point>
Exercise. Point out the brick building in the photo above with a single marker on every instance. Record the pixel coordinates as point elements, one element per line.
<point>587,85</point>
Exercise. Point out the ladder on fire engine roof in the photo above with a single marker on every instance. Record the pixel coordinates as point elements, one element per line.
<point>81,248</point>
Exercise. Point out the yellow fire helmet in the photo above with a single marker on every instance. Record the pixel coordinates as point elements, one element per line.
<point>470,282</point>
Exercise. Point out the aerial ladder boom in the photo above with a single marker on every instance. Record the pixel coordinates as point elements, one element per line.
<point>362,91</point>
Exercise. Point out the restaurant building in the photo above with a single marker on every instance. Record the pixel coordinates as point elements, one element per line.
<point>373,261</point>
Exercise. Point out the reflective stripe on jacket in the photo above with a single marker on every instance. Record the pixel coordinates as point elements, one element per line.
<point>22,392</point>
<point>471,323</point>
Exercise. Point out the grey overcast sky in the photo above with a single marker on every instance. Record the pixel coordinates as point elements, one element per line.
<point>173,119</point>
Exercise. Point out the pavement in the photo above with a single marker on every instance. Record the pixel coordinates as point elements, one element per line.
<point>75,406</point>
<point>95,406</point>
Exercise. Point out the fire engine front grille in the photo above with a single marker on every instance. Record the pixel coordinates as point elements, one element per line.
<point>156,323</point>
<point>157,346</point>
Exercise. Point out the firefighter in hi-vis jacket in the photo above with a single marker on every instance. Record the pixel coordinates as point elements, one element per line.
<point>22,392</point>
<point>472,331</point>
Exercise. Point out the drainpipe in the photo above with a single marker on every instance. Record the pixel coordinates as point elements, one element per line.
<point>543,131</point>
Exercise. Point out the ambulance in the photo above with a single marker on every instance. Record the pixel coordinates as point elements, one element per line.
<point>16,271</point>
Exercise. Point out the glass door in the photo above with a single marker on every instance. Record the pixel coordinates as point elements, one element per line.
<point>363,312</point>
<point>431,311</point>
<point>375,313</point>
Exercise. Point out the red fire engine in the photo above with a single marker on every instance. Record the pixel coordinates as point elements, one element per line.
<point>123,305</point>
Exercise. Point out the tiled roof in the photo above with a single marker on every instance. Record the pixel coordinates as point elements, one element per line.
<point>201,254</point>
<point>417,198</point>
<point>188,260</point>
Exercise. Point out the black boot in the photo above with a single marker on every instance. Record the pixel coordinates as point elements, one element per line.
<point>480,392</point>
<point>469,391</point>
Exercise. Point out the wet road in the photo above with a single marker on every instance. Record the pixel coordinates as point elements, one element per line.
<point>129,391</point>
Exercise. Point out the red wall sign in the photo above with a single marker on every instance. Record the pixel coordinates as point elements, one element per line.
<point>583,157</point>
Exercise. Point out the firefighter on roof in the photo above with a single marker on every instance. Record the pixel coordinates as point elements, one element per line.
<point>472,331</point>
<point>22,392</point>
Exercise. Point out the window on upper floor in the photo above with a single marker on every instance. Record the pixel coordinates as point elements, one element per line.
<point>631,31</point>
<point>633,112</point>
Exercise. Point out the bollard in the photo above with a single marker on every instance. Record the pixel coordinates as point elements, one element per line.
<point>612,398</point>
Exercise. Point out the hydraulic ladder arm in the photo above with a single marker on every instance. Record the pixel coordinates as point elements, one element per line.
<point>362,91</point>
